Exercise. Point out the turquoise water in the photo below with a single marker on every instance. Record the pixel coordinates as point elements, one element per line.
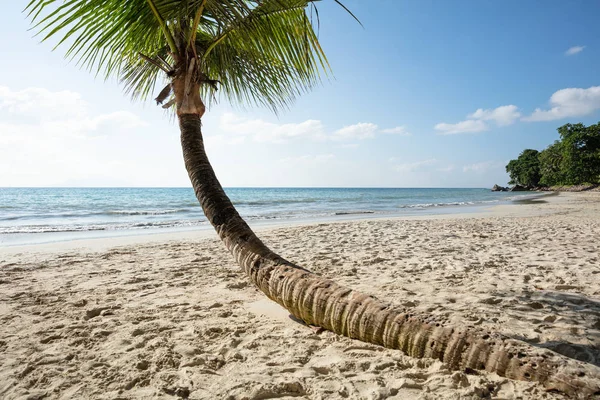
<point>26,211</point>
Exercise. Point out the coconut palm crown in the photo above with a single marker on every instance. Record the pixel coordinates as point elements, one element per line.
<point>266,52</point>
<point>262,52</point>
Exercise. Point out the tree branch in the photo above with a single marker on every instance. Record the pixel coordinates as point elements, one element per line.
<point>153,62</point>
<point>194,27</point>
<point>163,26</point>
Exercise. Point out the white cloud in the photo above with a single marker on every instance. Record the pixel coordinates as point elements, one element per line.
<point>476,122</point>
<point>574,50</point>
<point>214,141</point>
<point>447,168</point>
<point>399,130</point>
<point>35,112</point>
<point>123,119</point>
<point>503,115</point>
<point>468,126</point>
<point>349,145</point>
<point>308,159</point>
<point>263,131</point>
<point>483,167</point>
<point>362,130</point>
<point>571,102</point>
<point>41,103</point>
<point>50,137</point>
<point>414,166</point>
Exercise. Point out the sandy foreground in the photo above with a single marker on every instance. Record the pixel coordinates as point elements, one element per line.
<point>167,318</point>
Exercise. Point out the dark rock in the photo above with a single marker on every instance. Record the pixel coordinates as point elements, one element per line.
<point>519,188</point>
<point>497,188</point>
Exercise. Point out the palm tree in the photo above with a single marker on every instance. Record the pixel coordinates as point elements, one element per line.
<point>265,52</point>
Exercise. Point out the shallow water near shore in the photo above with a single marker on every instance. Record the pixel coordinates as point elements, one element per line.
<point>38,215</point>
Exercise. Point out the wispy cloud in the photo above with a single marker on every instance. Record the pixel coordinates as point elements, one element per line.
<point>503,115</point>
<point>263,131</point>
<point>260,130</point>
<point>39,111</point>
<point>574,50</point>
<point>565,103</point>
<point>308,159</point>
<point>447,168</point>
<point>213,141</point>
<point>413,166</point>
<point>571,102</point>
<point>476,122</point>
<point>44,134</point>
<point>483,167</point>
<point>399,130</point>
<point>468,126</point>
<point>362,130</point>
<point>42,103</point>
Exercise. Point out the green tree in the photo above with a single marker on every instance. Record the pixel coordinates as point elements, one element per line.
<point>580,153</point>
<point>525,170</point>
<point>551,165</point>
<point>263,52</point>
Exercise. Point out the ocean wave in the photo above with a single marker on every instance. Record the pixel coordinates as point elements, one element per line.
<point>147,212</point>
<point>447,204</point>
<point>89,213</point>
<point>144,210</point>
<point>49,229</point>
<point>68,214</point>
<point>99,227</point>
<point>274,202</point>
<point>353,212</point>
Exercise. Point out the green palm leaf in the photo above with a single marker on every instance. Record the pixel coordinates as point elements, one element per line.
<point>262,52</point>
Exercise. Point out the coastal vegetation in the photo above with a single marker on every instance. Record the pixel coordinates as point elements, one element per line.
<point>574,159</point>
<point>267,53</point>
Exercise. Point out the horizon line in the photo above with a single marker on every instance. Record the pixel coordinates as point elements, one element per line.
<point>242,187</point>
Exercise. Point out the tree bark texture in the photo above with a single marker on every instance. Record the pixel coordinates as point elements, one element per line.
<point>322,302</point>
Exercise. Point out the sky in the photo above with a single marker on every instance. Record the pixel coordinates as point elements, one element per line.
<point>427,94</point>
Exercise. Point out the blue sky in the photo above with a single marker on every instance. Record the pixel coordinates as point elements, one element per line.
<point>428,94</point>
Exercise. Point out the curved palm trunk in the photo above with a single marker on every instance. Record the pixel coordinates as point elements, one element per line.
<point>321,302</point>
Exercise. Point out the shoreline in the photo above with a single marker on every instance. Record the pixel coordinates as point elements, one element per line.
<point>59,241</point>
<point>47,215</point>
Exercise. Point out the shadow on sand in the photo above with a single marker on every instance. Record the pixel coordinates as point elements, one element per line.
<point>576,308</point>
<point>581,311</point>
<point>535,199</point>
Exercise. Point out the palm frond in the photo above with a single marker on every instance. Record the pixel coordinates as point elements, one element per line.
<point>262,52</point>
<point>267,57</point>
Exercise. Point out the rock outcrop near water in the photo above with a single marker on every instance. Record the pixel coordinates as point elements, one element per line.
<point>519,188</point>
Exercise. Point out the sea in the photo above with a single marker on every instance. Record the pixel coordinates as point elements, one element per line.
<point>39,215</point>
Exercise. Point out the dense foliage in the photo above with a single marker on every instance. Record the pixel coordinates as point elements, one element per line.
<point>525,170</point>
<point>572,160</point>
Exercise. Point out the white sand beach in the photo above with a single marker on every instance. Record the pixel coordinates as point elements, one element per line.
<point>174,317</point>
